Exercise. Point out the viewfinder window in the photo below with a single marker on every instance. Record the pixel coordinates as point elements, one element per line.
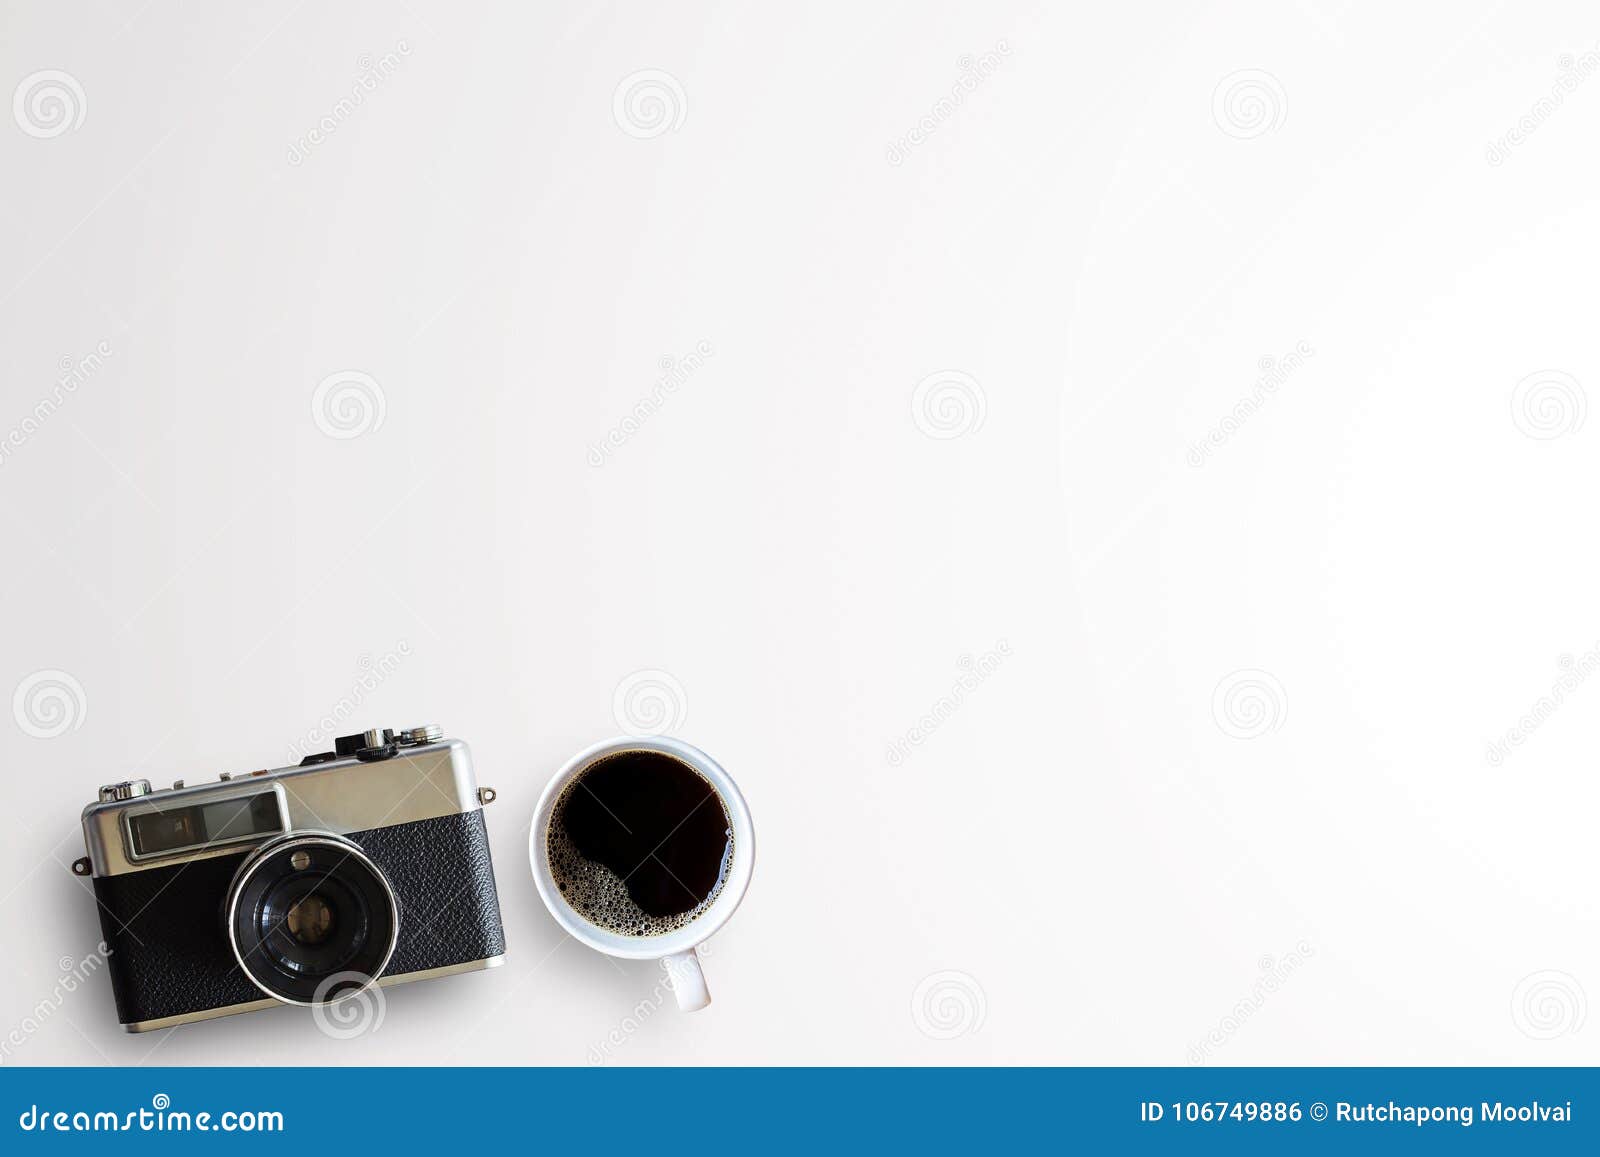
<point>224,822</point>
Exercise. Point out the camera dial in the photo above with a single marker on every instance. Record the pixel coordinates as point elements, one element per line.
<point>377,743</point>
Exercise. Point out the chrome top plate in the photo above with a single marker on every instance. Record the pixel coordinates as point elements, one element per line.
<point>342,795</point>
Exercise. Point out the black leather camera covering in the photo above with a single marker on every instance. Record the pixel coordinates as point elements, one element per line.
<point>169,946</point>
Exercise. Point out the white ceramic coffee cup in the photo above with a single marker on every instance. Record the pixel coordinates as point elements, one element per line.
<point>674,949</point>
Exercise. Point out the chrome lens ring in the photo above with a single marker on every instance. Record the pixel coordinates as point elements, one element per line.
<point>311,919</point>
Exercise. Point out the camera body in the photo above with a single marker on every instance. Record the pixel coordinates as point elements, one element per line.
<point>368,864</point>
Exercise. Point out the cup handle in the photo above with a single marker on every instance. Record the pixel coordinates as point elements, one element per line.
<point>688,981</point>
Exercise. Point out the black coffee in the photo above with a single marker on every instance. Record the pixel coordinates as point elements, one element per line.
<point>640,843</point>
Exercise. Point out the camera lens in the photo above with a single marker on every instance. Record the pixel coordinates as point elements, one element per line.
<point>311,918</point>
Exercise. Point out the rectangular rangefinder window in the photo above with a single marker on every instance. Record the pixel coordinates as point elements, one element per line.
<point>235,819</point>
<point>155,833</point>
<point>158,832</point>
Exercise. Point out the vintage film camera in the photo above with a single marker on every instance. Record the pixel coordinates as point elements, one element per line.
<point>368,864</point>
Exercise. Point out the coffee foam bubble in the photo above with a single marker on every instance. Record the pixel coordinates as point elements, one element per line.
<point>601,897</point>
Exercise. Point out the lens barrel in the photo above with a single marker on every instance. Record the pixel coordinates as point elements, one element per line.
<point>311,918</point>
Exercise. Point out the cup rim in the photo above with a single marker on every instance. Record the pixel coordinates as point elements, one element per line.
<point>681,939</point>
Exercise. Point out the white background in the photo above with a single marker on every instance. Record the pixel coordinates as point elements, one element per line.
<point>1093,251</point>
